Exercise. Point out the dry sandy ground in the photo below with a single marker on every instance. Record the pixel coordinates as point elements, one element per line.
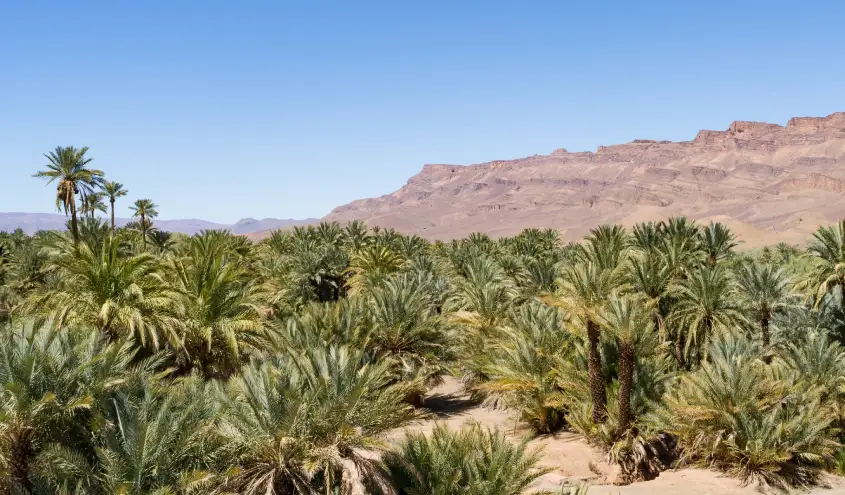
<point>571,459</point>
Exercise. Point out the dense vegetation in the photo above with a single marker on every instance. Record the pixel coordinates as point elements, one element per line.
<point>137,361</point>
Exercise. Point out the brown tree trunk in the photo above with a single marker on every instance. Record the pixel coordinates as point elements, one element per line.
<point>595,378</point>
<point>626,383</point>
<point>112,214</point>
<point>74,228</point>
<point>20,458</point>
<point>679,351</point>
<point>144,232</point>
<point>764,327</point>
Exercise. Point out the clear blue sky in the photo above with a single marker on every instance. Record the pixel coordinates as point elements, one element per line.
<point>222,110</point>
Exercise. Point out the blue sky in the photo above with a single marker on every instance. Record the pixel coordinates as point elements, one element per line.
<point>222,110</point>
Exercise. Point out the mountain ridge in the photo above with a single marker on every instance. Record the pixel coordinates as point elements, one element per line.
<point>32,222</point>
<point>770,182</point>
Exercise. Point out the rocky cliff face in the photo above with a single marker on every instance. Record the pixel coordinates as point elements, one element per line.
<point>769,182</point>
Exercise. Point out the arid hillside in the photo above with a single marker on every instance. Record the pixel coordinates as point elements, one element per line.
<point>768,182</point>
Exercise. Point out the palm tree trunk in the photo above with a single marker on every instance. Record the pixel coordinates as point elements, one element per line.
<point>144,231</point>
<point>73,226</point>
<point>626,383</point>
<point>764,327</point>
<point>112,214</point>
<point>20,458</point>
<point>679,351</point>
<point>595,378</point>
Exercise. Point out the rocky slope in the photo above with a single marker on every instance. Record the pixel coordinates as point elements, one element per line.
<point>769,182</point>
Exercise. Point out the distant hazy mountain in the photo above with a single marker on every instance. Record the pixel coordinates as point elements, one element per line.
<point>32,222</point>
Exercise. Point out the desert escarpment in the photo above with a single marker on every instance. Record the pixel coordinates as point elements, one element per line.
<point>769,182</point>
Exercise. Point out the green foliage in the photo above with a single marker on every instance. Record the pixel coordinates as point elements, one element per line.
<point>736,413</point>
<point>137,361</point>
<point>472,461</point>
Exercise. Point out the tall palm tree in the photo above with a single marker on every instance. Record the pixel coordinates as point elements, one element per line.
<point>629,320</point>
<point>67,166</point>
<point>707,300</point>
<point>113,190</point>
<point>583,293</point>
<point>765,291</point>
<point>828,250</point>
<point>94,203</point>
<point>717,241</point>
<point>145,210</point>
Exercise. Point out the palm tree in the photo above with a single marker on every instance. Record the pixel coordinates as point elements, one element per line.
<point>407,329</point>
<point>651,276</point>
<point>369,266</point>
<point>104,287</point>
<point>53,385</point>
<point>146,210</point>
<point>521,366</point>
<point>734,414</point>
<point>113,190</point>
<point>296,427</point>
<point>766,292</point>
<point>717,241</point>
<point>583,293</point>
<point>705,301</point>
<point>94,203</point>
<point>161,240</point>
<point>163,440</point>
<point>223,315</point>
<point>629,320</point>
<point>67,166</point>
<point>828,250</point>
<point>472,460</point>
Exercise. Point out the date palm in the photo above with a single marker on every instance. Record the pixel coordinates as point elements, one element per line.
<point>163,440</point>
<point>584,289</point>
<point>113,190</point>
<point>105,287</point>
<point>407,331</point>
<point>145,210</point>
<point>706,301</point>
<point>521,370</point>
<point>827,249</point>
<point>629,320</point>
<point>717,241</point>
<point>471,461</point>
<point>53,384</point>
<point>369,266</point>
<point>67,166</point>
<point>297,426</point>
<point>94,203</point>
<point>223,314</point>
<point>766,292</point>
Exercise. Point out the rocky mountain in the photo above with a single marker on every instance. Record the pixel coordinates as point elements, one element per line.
<point>32,222</point>
<point>768,182</point>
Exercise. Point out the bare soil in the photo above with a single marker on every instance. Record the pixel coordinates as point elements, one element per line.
<point>571,459</point>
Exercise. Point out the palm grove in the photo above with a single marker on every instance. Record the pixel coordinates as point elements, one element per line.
<point>137,361</point>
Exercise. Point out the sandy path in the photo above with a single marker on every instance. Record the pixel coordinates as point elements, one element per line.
<point>572,459</point>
